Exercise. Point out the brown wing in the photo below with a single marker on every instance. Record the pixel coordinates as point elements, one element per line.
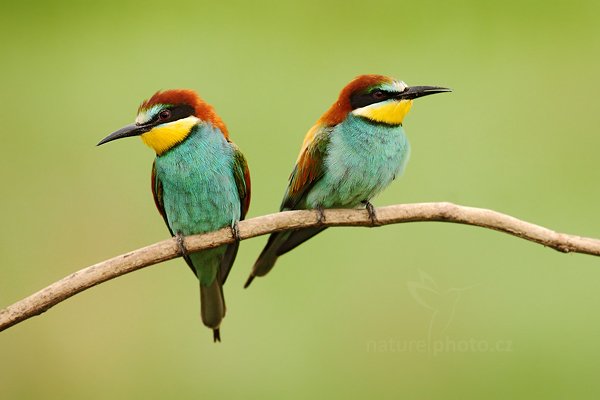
<point>309,167</point>
<point>241,174</point>
<point>157,192</point>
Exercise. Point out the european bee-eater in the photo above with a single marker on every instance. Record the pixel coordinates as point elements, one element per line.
<point>200,183</point>
<point>355,150</point>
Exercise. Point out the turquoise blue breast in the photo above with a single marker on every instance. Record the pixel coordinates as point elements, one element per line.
<point>362,159</point>
<point>199,190</point>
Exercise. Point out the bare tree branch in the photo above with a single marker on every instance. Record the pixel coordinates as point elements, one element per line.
<point>103,271</point>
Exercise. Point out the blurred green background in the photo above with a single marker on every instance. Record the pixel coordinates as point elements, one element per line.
<point>416,310</point>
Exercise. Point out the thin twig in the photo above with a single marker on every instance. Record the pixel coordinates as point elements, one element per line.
<point>84,279</point>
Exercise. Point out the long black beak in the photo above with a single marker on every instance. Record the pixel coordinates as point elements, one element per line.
<point>126,131</point>
<point>412,92</point>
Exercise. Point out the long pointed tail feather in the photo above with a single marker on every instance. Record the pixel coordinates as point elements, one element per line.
<point>278,244</point>
<point>212,307</point>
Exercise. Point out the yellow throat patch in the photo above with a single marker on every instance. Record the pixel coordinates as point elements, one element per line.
<point>166,136</point>
<point>392,112</point>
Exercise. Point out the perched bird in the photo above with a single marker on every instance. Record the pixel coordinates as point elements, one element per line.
<point>200,183</point>
<point>350,155</point>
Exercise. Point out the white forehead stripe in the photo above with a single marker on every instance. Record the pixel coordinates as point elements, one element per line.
<point>400,86</point>
<point>146,115</point>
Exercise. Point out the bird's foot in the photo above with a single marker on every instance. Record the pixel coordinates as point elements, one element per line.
<point>181,243</point>
<point>235,231</point>
<point>372,213</point>
<point>320,215</point>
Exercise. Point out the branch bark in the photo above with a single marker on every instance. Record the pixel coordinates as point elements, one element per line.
<point>165,250</point>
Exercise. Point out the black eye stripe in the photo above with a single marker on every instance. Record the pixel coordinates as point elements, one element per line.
<point>359,100</point>
<point>177,112</point>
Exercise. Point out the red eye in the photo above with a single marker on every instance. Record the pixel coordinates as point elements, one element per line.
<point>378,95</point>
<point>164,114</point>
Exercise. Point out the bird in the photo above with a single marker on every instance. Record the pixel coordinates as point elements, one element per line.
<point>200,182</point>
<point>354,151</point>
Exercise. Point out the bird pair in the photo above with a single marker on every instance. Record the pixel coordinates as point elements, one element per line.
<point>201,181</point>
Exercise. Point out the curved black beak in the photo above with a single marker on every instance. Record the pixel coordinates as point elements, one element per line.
<point>412,92</point>
<point>126,131</point>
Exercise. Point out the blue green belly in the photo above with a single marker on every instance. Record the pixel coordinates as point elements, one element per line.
<point>362,159</point>
<point>199,191</point>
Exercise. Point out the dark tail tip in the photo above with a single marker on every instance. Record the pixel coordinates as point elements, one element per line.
<point>249,281</point>
<point>216,335</point>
